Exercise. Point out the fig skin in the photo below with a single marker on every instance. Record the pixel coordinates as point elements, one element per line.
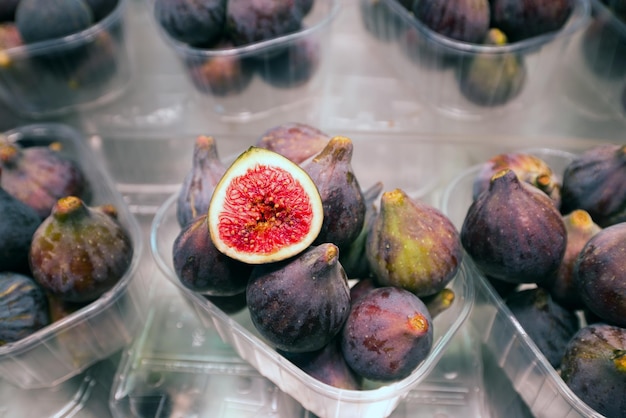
<point>523,19</point>
<point>463,20</point>
<point>41,20</point>
<point>259,20</point>
<point>201,267</point>
<point>412,245</point>
<point>294,66</point>
<point>388,333</point>
<point>342,197</point>
<point>513,232</point>
<point>594,182</point>
<point>79,252</point>
<point>300,304</point>
<point>206,171</point>
<point>562,287</point>
<point>295,141</point>
<point>600,274</point>
<point>548,324</point>
<point>40,175</point>
<point>594,368</point>
<point>194,22</point>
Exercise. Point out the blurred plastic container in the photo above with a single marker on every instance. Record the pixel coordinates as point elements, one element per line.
<point>70,345</point>
<point>530,373</point>
<point>251,81</point>
<point>76,72</point>
<point>447,75</point>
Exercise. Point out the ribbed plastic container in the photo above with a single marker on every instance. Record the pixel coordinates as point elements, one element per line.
<point>70,345</point>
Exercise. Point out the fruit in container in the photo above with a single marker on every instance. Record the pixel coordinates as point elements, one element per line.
<point>23,307</point>
<point>463,20</point>
<point>594,368</point>
<point>197,188</point>
<point>600,274</point>
<point>7,10</point>
<point>412,245</point>
<point>300,304</point>
<point>264,209</point>
<point>513,231</point>
<point>293,66</point>
<point>388,333</point>
<point>295,141</point>
<point>79,252</point>
<point>439,302</point>
<point>523,19</point>
<point>195,22</point>
<point>101,8</point>
<point>231,304</point>
<point>9,38</point>
<point>201,267</point>
<point>379,20</point>
<point>594,181</point>
<point>42,20</point>
<point>96,65</point>
<point>603,47</point>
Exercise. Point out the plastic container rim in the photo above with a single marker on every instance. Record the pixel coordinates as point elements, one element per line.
<point>603,12</point>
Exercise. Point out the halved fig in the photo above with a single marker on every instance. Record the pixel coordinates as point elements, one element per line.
<point>264,209</point>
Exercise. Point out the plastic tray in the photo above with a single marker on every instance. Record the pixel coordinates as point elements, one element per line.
<point>76,72</point>
<point>273,74</point>
<point>68,346</point>
<point>430,63</point>
<point>530,373</point>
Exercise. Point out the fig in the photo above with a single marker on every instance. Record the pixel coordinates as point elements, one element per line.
<point>259,20</point>
<point>231,304</point>
<point>194,22</point>
<point>296,141</point>
<point>42,20</point>
<point>580,228</point>
<point>206,171</point>
<point>600,274</point>
<point>264,209</point>
<point>294,66</point>
<point>490,79</point>
<point>439,302</point>
<point>7,10</point>
<point>361,287</point>
<point>101,8</point>
<point>594,181</point>
<point>300,304</point>
<point>547,323</point>
<point>342,198</point>
<point>97,65</point>
<point>603,48</point>
<point>79,252</point>
<point>523,19</point>
<point>529,168</point>
<point>201,267</point>
<point>412,245</point>
<point>388,333</point>
<point>40,175</point>
<point>594,368</point>
<point>463,20</point>
<point>513,231</point>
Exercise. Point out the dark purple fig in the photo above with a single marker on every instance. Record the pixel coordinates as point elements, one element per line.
<point>547,323</point>
<point>194,22</point>
<point>296,141</point>
<point>529,168</point>
<point>39,176</point>
<point>513,231</point>
<point>362,287</point>
<point>292,67</point>
<point>201,267</point>
<point>97,65</point>
<point>254,21</point>
<point>342,197</point>
<point>523,19</point>
<point>229,304</point>
<point>197,189</point>
<point>412,245</point>
<point>580,228</point>
<point>600,274</point>
<point>463,20</point>
<point>594,368</point>
<point>300,304</point>
<point>596,182</point>
<point>42,20</point>
<point>501,287</point>
<point>388,333</point>
<point>7,10</point>
<point>101,8</point>
<point>79,252</point>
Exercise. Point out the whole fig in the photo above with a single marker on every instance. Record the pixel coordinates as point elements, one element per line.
<point>523,19</point>
<point>412,245</point>
<point>195,22</point>
<point>296,141</point>
<point>596,182</point>
<point>513,231</point>
<point>463,20</point>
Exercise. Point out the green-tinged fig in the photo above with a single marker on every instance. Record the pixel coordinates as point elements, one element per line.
<point>523,19</point>
<point>300,304</point>
<point>596,182</point>
<point>600,274</point>
<point>529,168</point>
<point>463,20</point>
<point>594,368</point>
<point>23,307</point>
<point>194,22</point>
<point>201,267</point>
<point>40,175</point>
<point>547,323</point>
<point>388,333</point>
<point>492,79</point>
<point>513,231</point>
<point>264,209</point>
<point>79,252</point>
<point>296,141</point>
<point>412,245</point>
<point>206,171</point>
<point>342,197</point>
<point>580,228</point>
<point>42,20</point>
